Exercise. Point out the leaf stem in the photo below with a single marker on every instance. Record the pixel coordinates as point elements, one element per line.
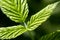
<point>25,25</point>
<point>30,34</point>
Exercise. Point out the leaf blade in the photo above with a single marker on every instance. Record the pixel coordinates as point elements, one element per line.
<point>41,16</point>
<point>11,32</point>
<point>52,36</point>
<point>16,10</point>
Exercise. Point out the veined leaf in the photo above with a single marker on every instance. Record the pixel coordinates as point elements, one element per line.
<point>11,32</point>
<point>16,10</point>
<point>51,36</point>
<point>40,17</point>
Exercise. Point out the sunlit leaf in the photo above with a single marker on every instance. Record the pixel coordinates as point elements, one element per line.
<point>11,32</point>
<point>41,16</point>
<point>16,10</point>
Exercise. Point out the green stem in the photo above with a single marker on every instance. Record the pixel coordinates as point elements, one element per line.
<point>25,25</point>
<point>30,33</point>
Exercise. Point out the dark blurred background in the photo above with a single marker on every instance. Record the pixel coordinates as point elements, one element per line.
<point>51,25</point>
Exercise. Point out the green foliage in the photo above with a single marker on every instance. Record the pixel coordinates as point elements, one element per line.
<point>52,36</point>
<point>11,32</point>
<point>17,10</point>
<point>40,17</point>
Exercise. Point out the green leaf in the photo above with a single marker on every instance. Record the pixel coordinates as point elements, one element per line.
<point>11,32</point>
<point>51,36</point>
<point>41,16</point>
<point>16,10</point>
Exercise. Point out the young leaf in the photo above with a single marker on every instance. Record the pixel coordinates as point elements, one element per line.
<point>11,32</point>
<point>40,17</point>
<point>16,10</point>
<point>51,36</point>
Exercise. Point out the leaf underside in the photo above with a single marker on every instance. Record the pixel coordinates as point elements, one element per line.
<point>16,10</point>
<point>41,16</point>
